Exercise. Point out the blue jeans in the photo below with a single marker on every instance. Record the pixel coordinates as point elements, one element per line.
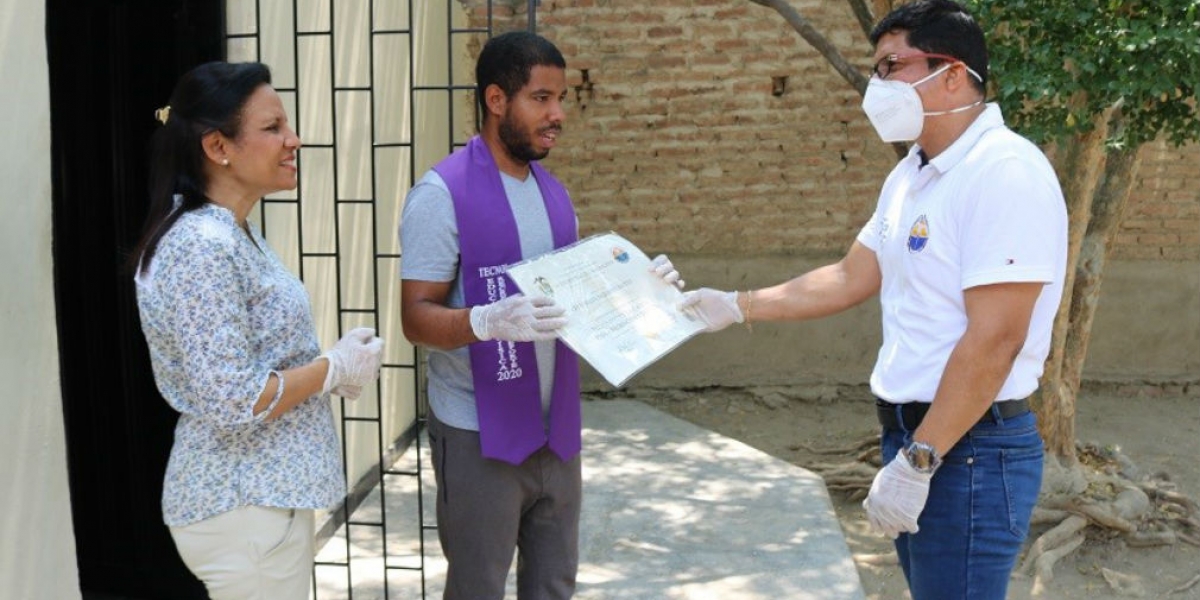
<point>977,516</point>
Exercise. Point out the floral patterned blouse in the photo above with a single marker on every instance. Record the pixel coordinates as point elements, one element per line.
<point>220,312</point>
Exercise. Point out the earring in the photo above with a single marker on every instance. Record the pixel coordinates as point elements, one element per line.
<point>225,162</point>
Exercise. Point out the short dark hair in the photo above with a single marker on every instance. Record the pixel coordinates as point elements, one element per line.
<point>939,27</point>
<point>507,59</point>
<point>208,98</point>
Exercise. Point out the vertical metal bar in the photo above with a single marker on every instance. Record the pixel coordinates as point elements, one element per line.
<point>300,155</point>
<point>337,259</point>
<point>491,31</point>
<point>379,438</point>
<point>412,176</point>
<point>532,12</point>
<point>262,206</point>
<point>450,73</point>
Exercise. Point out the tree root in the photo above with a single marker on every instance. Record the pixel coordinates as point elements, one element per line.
<point>1103,515</point>
<point>1058,537</point>
<point>1043,567</point>
<point>853,478</point>
<point>1044,516</point>
<point>865,445</point>
<point>1146,539</point>
<point>1122,583</point>
<point>1144,514</point>
<point>1186,586</point>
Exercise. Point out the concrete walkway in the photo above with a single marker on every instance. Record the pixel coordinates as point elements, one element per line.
<point>671,511</point>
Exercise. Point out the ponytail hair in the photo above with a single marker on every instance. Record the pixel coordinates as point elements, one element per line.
<point>208,98</point>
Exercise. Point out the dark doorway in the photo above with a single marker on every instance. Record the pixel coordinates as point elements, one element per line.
<point>112,62</point>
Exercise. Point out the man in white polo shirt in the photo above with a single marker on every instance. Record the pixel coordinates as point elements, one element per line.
<point>967,250</point>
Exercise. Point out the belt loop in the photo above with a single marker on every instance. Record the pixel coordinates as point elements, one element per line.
<point>899,410</point>
<point>996,415</point>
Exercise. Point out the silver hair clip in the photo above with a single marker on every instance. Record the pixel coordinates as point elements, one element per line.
<point>162,114</point>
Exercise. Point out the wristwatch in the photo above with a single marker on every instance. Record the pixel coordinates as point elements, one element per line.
<point>923,457</point>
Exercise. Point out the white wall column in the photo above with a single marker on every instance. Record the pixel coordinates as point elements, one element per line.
<point>37,558</point>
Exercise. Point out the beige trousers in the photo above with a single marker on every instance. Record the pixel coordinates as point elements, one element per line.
<point>251,553</point>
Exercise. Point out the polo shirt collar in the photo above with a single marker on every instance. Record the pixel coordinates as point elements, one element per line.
<point>989,119</point>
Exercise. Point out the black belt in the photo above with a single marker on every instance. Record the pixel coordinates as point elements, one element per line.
<point>913,412</point>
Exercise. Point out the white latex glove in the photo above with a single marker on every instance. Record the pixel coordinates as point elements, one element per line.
<point>349,392</point>
<point>661,266</point>
<point>717,309</point>
<point>897,498</point>
<point>518,318</point>
<point>353,362</point>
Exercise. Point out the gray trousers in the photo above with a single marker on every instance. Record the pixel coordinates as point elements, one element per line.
<point>487,508</point>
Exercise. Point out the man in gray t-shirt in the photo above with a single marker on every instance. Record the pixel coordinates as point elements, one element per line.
<point>487,508</point>
<point>430,241</point>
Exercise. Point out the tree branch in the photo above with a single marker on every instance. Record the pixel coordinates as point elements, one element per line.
<point>862,12</point>
<point>819,42</point>
<point>826,48</point>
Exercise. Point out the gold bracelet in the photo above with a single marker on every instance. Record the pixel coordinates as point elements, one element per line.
<point>749,308</point>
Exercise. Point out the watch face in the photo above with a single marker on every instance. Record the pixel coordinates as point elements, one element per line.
<point>922,457</point>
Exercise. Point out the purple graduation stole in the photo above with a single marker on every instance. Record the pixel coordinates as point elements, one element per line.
<point>507,395</point>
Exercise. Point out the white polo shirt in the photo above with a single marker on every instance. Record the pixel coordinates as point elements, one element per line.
<point>987,210</point>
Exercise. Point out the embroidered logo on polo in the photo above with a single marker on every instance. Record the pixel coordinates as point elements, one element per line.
<point>918,234</point>
<point>883,229</point>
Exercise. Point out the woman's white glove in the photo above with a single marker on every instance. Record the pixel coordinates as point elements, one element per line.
<point>349,392</point>
<point>661,266</point>
<point>518,318</point>
<point>717,309</point>
<point>353,362</point>
<point>897,498</point>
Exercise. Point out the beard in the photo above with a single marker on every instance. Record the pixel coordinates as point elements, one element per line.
<point>518,144</point>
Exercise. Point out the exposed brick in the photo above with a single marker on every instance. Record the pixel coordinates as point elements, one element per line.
<point>1158,239</point>
<point>664,31</point>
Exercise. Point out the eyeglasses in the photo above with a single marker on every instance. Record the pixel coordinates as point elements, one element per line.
<point>893,62</point>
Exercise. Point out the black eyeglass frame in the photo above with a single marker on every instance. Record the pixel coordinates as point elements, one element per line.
<point>884,66</point>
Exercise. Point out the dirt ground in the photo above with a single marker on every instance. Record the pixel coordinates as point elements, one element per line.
<point>1159,432</point>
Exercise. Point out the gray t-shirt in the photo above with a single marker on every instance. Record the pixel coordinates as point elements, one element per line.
<point>429,251</point>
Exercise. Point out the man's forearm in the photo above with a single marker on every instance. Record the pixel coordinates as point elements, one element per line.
<point>973,376</point>
<point>436,326</point>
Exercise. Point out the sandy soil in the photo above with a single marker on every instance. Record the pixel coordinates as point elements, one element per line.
<point>1159,433</point>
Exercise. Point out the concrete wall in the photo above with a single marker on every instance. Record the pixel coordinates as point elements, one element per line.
<point>37,558</point>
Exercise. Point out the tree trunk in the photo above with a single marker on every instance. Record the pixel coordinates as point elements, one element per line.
<point>1108,210</point>
<point>1078,161</point>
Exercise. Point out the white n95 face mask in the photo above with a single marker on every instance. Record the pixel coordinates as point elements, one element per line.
<point>895,108</point>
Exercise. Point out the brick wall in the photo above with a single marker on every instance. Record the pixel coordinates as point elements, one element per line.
<point>1162,220</point>
<point>681,145</point>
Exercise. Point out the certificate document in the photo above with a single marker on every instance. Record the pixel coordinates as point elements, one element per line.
<point>621,316</point>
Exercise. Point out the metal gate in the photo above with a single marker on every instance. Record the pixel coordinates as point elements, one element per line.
<point>378,90</point>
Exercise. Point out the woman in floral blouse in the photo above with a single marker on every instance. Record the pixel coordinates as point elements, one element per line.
<point>233,345</point>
